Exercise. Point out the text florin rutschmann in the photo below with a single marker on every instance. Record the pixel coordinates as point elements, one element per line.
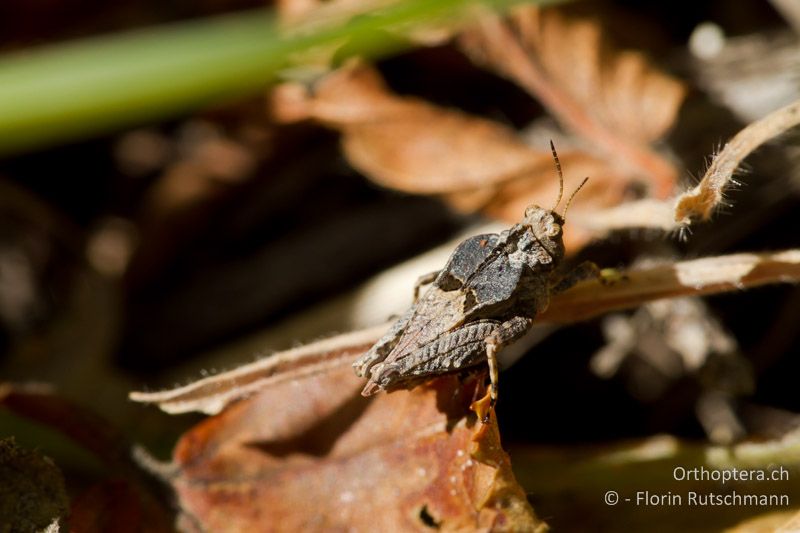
<point>692,498</point>
<point>724,498</point>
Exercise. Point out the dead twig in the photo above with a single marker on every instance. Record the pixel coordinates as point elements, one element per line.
<point>700,202</point>
<point>586,300</point>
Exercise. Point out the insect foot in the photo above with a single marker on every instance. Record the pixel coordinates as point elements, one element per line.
<point>485,298</point>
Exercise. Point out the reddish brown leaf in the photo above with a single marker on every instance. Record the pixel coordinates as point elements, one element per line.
<point>411,145</point>
<point>407,143</point>
<point>405,461</point>
<point>604,189</point>
<point>112,505</point>
<point>614,99</point>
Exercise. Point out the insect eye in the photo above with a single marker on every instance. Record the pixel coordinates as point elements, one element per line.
<point>553,230</point>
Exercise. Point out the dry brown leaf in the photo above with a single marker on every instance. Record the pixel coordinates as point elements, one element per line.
<point>614,99</point>
<point>411,145</point>
<point>406,143</point>
<point>586,300</point>
<point>605,188</point>
<point>710,275</point>
<point>699,203</point>
<point>210,395</point>
<point>406,461</point>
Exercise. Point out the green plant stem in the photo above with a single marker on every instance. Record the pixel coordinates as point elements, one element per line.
<point>74,90</point>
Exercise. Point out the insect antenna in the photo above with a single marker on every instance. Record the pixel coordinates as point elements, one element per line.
<point>564,215</point>
<point>560,175</point>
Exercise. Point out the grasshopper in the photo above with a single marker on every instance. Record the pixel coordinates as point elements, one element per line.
<point>485,297</point>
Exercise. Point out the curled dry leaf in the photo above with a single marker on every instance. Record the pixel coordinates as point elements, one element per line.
<point>710,275</point>
<point>586,300</point>
<point>210,395</point>
<point>700,202</point>
<point>614,99</point>
<point>407,143</point>
<point>411,145</point>
<point>406,461</point>
<point>605,188</point>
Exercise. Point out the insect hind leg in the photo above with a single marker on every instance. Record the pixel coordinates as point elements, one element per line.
<point>506,333</point>
<point>455,350</point>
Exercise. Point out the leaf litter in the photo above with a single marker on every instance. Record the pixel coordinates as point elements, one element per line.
<point>612,100</point>
<point>292,433</point>
<point>303,450</point>
<point>293,446</point>
<point>405,462</point>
